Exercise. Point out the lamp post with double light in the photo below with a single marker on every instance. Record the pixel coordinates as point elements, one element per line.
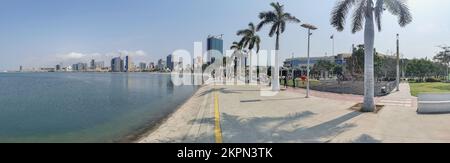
<point>309,27</point>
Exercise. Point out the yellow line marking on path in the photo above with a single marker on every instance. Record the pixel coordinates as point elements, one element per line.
<point>217,130</point>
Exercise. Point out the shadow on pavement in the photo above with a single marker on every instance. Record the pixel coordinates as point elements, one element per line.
<point>236,129</point>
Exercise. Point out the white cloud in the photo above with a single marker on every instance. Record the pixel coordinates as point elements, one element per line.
<point>141,53</point>
<point>138,53</point>
<point>72,55</point>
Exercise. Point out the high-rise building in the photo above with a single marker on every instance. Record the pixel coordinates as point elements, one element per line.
<point>169,61</point>
<point>117,65</point>
<point>214,48</point>
<point>92,65</point>
<point>58,67</point>
<point>142,66</point>
<point>161,65</point>
<point>127,63</point>
<point>21,68</point>
<point>74,67</point>
<point>79,67</point>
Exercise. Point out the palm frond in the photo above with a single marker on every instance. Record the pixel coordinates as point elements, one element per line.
<point>251,27</point>
<point>243,32</point>
<point>273,30</point>
<point>289,18</point>
<point>277,19</point>
<point>400,9</point>
<point>277,7</point>
<point>257,42</point>
<point>266,18</point>
<point>283,26</point>
<point>340,12</point>
<point>249,36</point>
<point>379,8</point>
<point>358,16</point>
<point>236,46</point>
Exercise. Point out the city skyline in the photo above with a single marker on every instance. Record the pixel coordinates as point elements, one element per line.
<point>78,31</point>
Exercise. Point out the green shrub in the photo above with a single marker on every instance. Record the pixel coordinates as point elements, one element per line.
<point>432,80</point>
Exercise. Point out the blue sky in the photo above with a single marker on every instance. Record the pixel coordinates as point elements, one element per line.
<point>46,32</point>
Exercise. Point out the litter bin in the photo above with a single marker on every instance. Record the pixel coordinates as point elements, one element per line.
<point>383,90</point>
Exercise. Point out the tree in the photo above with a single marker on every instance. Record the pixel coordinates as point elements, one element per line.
<point>384,66</point>
<point>444,58</point>
<point>323,66</point>
<point>368,11</point>
<point>420,68</point>
<point>277,19</point>
<point>251,40</point>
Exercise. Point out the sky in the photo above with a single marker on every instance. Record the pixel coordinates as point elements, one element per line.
<point>44,33</point>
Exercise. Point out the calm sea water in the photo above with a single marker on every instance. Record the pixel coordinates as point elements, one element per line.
<point>84,107</point>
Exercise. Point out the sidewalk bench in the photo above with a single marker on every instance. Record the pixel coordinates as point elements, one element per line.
<point>433,103</point>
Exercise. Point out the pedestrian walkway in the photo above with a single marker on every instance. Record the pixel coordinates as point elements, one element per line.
<point>247,117</point>
<point>399,98</point>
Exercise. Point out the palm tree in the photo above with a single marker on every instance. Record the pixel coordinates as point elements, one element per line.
<point>368,11</point>
<point>250,40</point>
<point>277,19</point>
<point>237,47</point>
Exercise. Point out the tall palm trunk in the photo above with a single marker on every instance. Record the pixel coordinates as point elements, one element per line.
<point>257,69</point>
<point>369,39</point>
<point>275,72</point>
<point>250,69</point>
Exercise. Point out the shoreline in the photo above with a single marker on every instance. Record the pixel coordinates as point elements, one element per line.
<point>150,127</point>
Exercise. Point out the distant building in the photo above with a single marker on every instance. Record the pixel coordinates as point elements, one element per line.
<point>127,63</point>
<point>99,65</point>
<point>79,67</point>
<point>20,68</point>
<point>161,65</point>
<point>45,69</point>
<point>92,65</point>
<point>169,61</point>
<point>117,65</point>
<point>151,66</point>
<point>142,66</point>
<point>179,64</point>
<point>302,62</point>
<point>58,67</point>
<point>214,47</point>
<point>198,62</point>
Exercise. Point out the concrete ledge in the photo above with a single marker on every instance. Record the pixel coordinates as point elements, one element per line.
<point>433,103</point>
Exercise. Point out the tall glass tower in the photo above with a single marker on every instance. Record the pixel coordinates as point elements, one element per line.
<point>214,48</point>
<point>169,61</point>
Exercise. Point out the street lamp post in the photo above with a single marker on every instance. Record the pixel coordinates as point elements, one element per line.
<point>332,50</point>
<point>309,27</point>
<point>293,71</point>
<point>398,64</point>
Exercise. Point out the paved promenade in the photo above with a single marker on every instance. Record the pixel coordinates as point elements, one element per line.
<point>244,116</point>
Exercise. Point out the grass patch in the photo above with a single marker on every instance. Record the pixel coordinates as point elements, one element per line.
<point>300,84</point>
<point>417,88</point>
